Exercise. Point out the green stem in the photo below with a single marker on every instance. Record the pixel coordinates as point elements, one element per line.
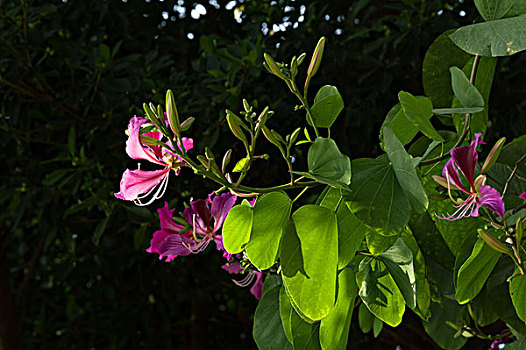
<point>467,119</point>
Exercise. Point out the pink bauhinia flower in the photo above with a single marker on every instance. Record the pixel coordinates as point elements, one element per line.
<point>465,158</point>
<point>204,218</point>
<point>138,184</point>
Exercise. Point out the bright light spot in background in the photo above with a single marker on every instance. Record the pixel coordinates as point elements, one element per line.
<point>214,3</point>
<point>264,28</point>
<point>190,36</point>
<point>462,13</point>
<point>198,11</point>
<point>327,17</point>
<point>301,19</point>
<point>302,9</point>
<point>338,31</point>
<point>181,10</point>
<point>356,20</point>
<point>165,15</point>
<point>230,5</point>
<point>440,12</point>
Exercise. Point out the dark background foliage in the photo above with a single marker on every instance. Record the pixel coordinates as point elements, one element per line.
<point>73,271</point>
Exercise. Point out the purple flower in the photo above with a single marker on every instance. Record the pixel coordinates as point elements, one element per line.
<point>139,184</point>
<point>204,217</point>
<point>257,287</point>
<point>522,195</point>
<point>465,158</point>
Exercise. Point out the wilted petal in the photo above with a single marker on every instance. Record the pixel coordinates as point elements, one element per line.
<point>234,268</point>
<point>134,147</point>
<point>221,205</point>
<point>492,199</point>
<point>136,182</point>
<point>167,221</point>
<point>257,288</point>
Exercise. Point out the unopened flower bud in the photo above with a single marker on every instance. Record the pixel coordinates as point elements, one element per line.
<point>203,161</point>
<point>186,124</point>
<point>294,67</point>
<point>494,242</point>
<point>301,58</point>
<point>235,126</point>
<point>294,136</point>
<point>315,61</point>
<point>269,135</point>
<point>226,159</point>
<point>171,111</point>
<point>493,155</point>
<point>519,231</point>
<point>272,66</point>
<point>479,181</point>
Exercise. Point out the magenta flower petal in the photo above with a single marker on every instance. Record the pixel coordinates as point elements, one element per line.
<point>198,216</point>
<point>257,288</point>
<point>522,195</point>
<point>176,244</point>
<point>491,198</point>
<point>234,268</point>
<point>158,237</point>
<point>221,205</point>
<point>450,172</point>
<point>134,148</point>
<point>136,182</point>
<point>465,157</point>
<point>167,221</point>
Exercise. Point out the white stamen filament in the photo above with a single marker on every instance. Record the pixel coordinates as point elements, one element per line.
<point>161,189</point>
<point>249,278</point>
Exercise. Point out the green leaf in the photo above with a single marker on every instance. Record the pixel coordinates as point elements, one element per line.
<point>517,345</point>
<point>99,230</point>
<point>285,311</point>
<point>327,164</point>
<point>240,165</point>
<point>334,329</point>
<point>271,215</point>
<point>379,292</point>
<point>418,111</point>
<point>303,335</point>
<point>237,228</point>
<point>423,293</point>
<point>365,318</point>
<point>439,330</point>
<point>268,331</point>
<point>376,196</point>
<point>314,292</point>
<point>475,271</point>
<point>467,94</point>
<point>501,37</point>
<point>481,309</point>
<point>405,172</point>
<point>483,83</point>
<point>377,244</point>
<point>430,241</point>
<point>518,295</point>
<point>378,325</point>
<point>491,10</point>
<point>351,231</point>
<point>328,103</point>
<point>444,111</point>
<point>402,127</point>
<point>441,55</point>
<point>399,262</point>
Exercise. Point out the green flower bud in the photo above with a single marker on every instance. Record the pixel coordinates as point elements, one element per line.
<point>493,155</point>
<point>294,136</point>
<point>494,242</point>
<point>269,135</point>
<point>235,126</point>
<point>226,159</point>
<point>273,67</point>
<point>186,124</point>
<point>171,112</point>
<point>301,58</point>
<point>315,61</point>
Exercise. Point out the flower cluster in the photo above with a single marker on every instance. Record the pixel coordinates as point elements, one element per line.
<point>201,225</point>
<point>464,158</point>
